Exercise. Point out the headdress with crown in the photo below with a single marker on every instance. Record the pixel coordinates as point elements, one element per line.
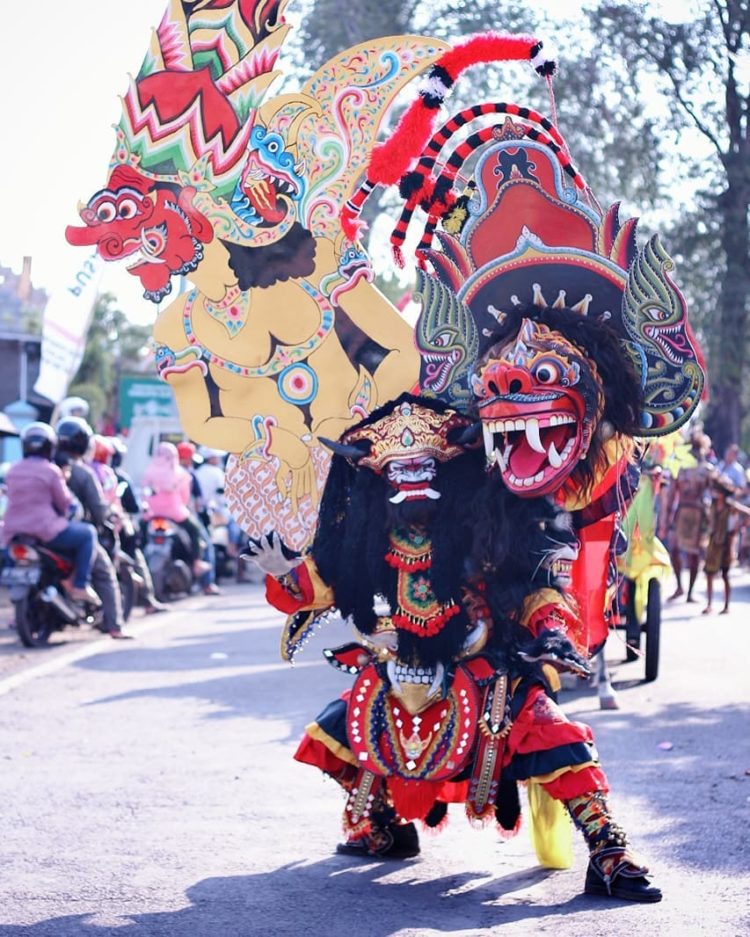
<point>407,428</point>
<point>526,228</point>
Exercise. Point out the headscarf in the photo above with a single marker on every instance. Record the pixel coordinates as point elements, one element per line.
<point>163,472</point>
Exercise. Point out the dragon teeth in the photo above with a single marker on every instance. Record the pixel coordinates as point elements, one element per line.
<point>554,457</point>
<point>532,435</point>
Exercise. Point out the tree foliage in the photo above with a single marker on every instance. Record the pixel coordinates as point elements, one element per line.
<point>700,69</point>
<point>656,115</point>
<point>114,346</point>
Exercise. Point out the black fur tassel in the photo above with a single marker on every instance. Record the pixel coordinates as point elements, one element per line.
<point>410,184</point>
<point>508,805</point>
<point>437,814</point>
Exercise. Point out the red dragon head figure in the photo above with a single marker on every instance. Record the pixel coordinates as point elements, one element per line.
<point>539,400</point>
<point>159,233</point>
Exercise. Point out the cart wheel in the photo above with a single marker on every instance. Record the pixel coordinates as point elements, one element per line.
<point>653,629</point>
<point>632,625</point>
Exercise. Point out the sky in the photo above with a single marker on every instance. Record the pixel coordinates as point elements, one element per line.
<point>62,67</point>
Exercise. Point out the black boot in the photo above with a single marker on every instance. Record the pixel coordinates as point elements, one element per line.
<point>613,870</point>
<point>392,841</point>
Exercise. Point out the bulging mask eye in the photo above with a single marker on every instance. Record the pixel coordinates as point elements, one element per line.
<point>548,372</point>
<point>127,209</point>
<point>106,212</point>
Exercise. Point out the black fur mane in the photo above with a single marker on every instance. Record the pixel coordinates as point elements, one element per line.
<point>480,534</point>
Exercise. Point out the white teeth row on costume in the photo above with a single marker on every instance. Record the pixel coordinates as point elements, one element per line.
<point>414,674</point>
<point>399,673</point>
<point>404,494</point>
<point>509,426</point>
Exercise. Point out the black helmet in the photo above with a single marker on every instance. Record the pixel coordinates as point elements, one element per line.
<point>38,439</point>
<point>121,450</point>
<point>74,435</point>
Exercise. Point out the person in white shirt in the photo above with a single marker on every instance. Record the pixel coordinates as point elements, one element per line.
<point>210,476</point>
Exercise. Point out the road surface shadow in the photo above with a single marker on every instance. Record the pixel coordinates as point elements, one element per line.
<point>335,899</point>
<point>237,648</point>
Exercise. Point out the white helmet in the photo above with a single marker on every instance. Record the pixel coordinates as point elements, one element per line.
<point>73,406</point>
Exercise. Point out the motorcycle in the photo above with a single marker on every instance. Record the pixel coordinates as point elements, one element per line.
<point>167,552</point>
<point>128,579</point>
<point>33,574</point>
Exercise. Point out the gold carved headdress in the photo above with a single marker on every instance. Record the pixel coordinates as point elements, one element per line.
<point>409,430</point>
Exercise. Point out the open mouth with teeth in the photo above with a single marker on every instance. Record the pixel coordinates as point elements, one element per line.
<point>412,480</point>
<point>672,341</point>
<point>268,191</point>
<point>438,368</point>
<point>535,451</point>
<point>562,570</point>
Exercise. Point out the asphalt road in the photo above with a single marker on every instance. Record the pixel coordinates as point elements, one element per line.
<point>148,788</point>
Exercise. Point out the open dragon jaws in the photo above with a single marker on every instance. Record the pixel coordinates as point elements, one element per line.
<point>519,241</point>
<point>538,402</point>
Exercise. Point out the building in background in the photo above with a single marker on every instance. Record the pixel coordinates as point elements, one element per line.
<point>21,310</point>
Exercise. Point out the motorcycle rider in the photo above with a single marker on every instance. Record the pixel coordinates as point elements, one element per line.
<point>169,486</point>
<point>98,460</point>
<point>39,502</point>
<point>187,455</point>
<point>129,539</point>
<point>73,440</point>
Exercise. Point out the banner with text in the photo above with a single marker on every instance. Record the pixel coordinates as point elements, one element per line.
<point>66,322</point>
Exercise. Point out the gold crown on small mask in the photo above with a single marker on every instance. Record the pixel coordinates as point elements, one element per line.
<point>408,432</point>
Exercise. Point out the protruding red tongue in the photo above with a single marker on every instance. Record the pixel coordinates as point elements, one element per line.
<point>263,199</point>
<point>525,461</point>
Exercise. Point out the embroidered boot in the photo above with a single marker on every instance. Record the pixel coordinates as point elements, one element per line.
<point>613,870</point>
<point>387,838</point>
<point>393,841</point>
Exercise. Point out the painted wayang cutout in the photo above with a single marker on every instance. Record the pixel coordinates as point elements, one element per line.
<point>281,335</point>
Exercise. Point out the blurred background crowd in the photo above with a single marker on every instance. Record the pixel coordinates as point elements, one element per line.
<point>122,528</point>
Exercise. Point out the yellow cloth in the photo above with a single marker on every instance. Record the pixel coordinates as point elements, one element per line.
<point>336,748</point>
<point>549,828</point>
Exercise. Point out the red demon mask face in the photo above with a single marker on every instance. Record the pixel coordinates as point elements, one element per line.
<point>540,400</point>
<point>158,233</point>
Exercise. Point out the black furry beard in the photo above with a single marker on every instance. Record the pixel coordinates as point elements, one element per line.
<point>414,512</point>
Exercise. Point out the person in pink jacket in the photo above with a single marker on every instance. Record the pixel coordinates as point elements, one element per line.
<point>169,487</point>
<point>39,503</point>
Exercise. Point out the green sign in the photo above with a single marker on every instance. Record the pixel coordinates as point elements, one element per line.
<point>145,396</point>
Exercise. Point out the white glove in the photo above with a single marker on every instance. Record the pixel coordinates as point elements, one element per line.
<point>268,554</point>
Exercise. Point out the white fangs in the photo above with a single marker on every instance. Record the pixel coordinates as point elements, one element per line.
<point>554,456</point>
<point>532,427</point>
<point>532,435</point>
<point>392,676</point>
<point>487,432</point>
<point>437,683</point>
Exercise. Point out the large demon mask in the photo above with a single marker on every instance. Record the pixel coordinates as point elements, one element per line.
<point>524,236</point>
<point>539,400</point>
